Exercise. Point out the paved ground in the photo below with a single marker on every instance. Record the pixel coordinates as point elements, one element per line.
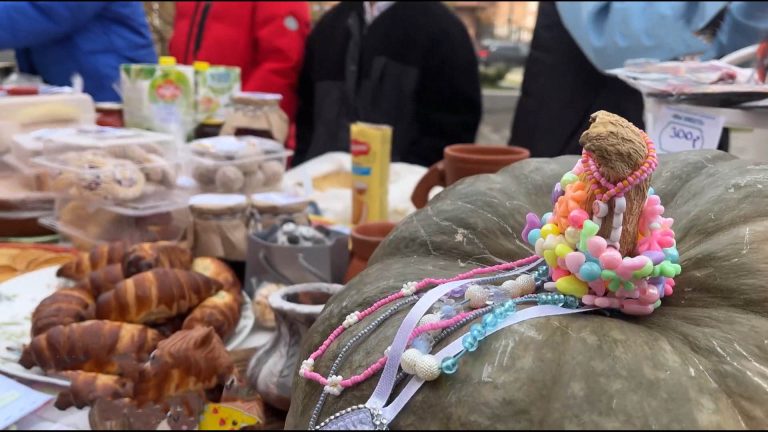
<point>498,109</point>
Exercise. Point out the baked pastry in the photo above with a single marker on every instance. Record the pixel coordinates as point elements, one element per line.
<point>94,174</point>
<point>189,360</point>
<point>87,387</point>
<point>217,269</point>
<point>102,280</point>
<point>63,307</point>
<point>91,346</point>
<point>155,296</point>
<point>170,326</point>
<point>97,258</point>
<point>220,312</point>
<point>229,179</point>
<point>145,256</point>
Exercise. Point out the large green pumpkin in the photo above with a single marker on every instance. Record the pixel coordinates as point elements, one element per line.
<point>699,361</point>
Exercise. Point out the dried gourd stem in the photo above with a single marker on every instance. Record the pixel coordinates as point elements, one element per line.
<point>619,149</point>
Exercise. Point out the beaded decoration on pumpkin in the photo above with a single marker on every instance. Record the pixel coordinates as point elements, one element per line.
<point>590,267</point>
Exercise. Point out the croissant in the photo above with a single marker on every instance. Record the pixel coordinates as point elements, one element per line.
<point>88,387</point>
<point>100,281</point>
<point>98,257</point>
<point>91,346</point>
<point>146,256</point>
<point>221,311</point>
<point>217,269</point>
<point>64,306</point>
<point>155,296</point>
<point>189,360</point>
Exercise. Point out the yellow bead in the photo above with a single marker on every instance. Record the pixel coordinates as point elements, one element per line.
<point>570,285</point>
<point>552,241</point>
<point>562,250</point>
<point>550,258</point>
<point>548,229</point>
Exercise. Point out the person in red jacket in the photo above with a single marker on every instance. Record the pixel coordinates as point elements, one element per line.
<point>265,39</point>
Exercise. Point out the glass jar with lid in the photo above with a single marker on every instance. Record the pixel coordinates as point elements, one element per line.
<point>219,225</point>
<point>257,114</point>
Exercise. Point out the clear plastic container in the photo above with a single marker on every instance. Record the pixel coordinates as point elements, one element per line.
<point>85,223</point>
<point>110,165</point>
<point>243,164</point>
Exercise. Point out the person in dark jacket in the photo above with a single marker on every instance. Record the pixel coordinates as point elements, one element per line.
<point>55,40</point>
<point>410,65</point>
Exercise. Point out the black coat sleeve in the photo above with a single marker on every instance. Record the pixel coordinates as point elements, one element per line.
<point>449,100</point>
<point>305,113</point>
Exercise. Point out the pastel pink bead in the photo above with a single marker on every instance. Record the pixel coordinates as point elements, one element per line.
<point>559,273</point>
<point>631,265</point>
<point>588,299</point>
<point>634,307</point>
<point>610,259</point>
<point>598,287</point>
<point>577,218</point>
<point>649,295</point>
<point>574,261</point>
<point>561,262</point>
<point>596,246</point>
<point>607,302</point>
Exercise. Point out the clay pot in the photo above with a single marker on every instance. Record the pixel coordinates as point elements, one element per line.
<point>109,114</point>
<point>465,160</point>
<point>273,367</point>
<point>365,239</point>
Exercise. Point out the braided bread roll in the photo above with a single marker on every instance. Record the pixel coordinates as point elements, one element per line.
<point>88,387</point>
<point>190,360</point>
<point>97,258</point>
<point>221,312</point>
<point>63,307</point>
<point>155,296</point>
<point>100,281</point>
<point>91,346</point>
<point>163,254</point>
<point>217,269</point>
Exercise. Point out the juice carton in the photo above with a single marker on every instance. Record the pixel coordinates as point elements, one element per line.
<point>159,97</point>
<point>214,88</point>
<point>371,148</point>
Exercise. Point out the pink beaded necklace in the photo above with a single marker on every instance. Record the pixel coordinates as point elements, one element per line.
<point>335,384</point>
<point>610,190</point>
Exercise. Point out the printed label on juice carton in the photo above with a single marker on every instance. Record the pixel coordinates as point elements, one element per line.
<point>371,148</point>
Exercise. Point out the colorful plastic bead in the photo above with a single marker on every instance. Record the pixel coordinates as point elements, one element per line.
<point>533,236</point>
<point>549,229</point>
<point>469,342</point>
<point>571,285</point>
<point>589,272</point>
<point>567,179</point>
<point>577,217</point>
<point>449,365</point>
<point>588,230</point>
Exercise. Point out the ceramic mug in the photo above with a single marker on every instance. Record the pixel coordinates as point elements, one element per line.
<point>464,160</point>
<point>365,239</point>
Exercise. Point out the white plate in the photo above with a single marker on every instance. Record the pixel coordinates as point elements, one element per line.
<point>19,297</point>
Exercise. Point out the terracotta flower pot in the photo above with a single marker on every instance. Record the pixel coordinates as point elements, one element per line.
<point>365,239</point>
<point>465,160</point>
<point>273,367</point>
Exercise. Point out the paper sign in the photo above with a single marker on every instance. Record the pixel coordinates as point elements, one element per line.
<point>679,130</point>
<point>17,401</point>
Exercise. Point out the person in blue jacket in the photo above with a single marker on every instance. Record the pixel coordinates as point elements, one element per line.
<point>55,40</point>
<point>574,43</point>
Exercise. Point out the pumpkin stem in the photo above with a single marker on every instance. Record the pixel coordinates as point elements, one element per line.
<point>619,149</point>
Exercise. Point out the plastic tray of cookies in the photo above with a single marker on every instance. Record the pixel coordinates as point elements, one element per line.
<point>237,164</point>
<point>117,142</point>
<point>84,223</point>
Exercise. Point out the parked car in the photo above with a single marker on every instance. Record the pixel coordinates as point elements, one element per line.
<point>507,54</point>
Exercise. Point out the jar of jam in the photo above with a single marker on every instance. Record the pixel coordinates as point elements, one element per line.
<point>109,114</point>
<point>209,127</point>
<point>257,114</point>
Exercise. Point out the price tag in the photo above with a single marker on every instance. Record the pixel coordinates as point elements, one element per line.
<point>679,130</point>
